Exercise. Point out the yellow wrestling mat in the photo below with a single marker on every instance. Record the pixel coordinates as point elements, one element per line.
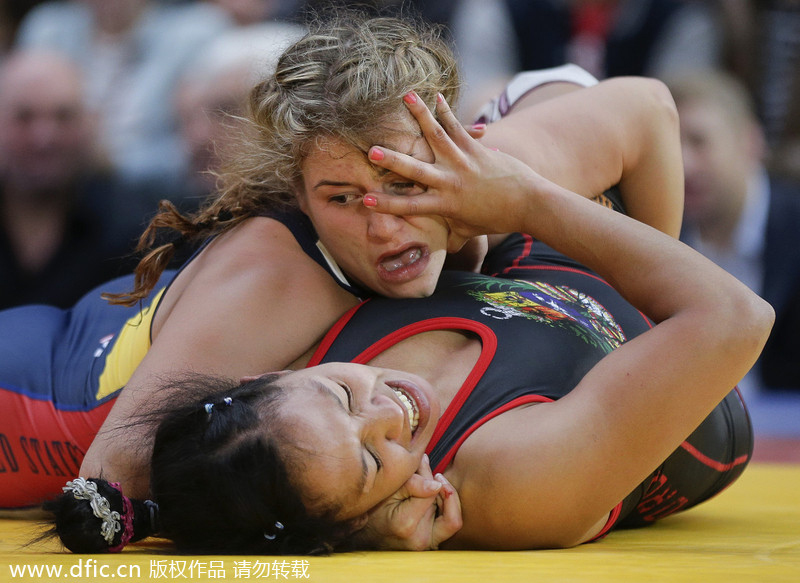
<point>750,533</point>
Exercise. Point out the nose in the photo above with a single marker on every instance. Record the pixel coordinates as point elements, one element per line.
<point>44,131</point>
<point>383,226</point>
<point>386,419</point>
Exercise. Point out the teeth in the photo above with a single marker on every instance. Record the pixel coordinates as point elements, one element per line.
<point>413,414</point>
<point>403,259</point>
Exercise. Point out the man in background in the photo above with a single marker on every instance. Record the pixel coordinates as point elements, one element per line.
<point>744,219</point>
<point>63,225</point>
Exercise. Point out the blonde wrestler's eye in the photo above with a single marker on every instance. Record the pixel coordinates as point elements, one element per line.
<point>406,188</point>
<point>344,198</point>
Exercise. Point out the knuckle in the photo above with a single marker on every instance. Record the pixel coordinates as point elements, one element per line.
<point>439,133</point>
<point>411,206</point>
<point>405,528</point>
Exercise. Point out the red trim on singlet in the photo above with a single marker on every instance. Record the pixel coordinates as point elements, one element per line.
<point>548,267</point>
<point>613,516</point>
<point>488,350</point>
<point>448,457</point>
<point>332,334</point>
<point>518,402</point>
<point>526,250</point>
<point>713,464</point>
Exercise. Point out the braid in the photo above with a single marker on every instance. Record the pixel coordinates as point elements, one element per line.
<point>168,232</point>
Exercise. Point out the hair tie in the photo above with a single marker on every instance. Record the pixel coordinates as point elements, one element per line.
<point>209,407</point>
<point>155,527</point>
<point>127,520</point>
<point>82,489</point>
<point>278,528</point>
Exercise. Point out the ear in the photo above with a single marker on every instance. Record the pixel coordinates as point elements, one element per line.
<point>360,522</point>
<point>756,142</point>
<point>300,196</point>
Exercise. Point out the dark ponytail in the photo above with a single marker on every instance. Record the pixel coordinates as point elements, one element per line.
<point>224,485</point>
<point>91,510</point>
<point>221,481</point>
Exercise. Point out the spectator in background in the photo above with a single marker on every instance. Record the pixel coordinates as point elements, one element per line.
<point>6,29</point>
<point>609,38</point>
<point>11,13</point>
<point>761,40</point>
<point>133,52</point>
<point>214,89</point>
<point>247,12</point>
<point>60,233</point>
<point>738,215</point>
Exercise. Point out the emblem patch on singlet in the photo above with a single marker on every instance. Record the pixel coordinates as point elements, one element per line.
<point>554,305</point>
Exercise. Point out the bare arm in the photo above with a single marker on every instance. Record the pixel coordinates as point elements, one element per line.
<point>245,309</point>
<point>588,140</point>
<point>643,399</point>
<point>631,410</point>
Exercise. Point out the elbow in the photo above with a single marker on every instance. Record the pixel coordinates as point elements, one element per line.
<point>752,318</point>
<point>760,319</point>
<point>662,110</point>
<point>654,100</point>
<point>743,326</point>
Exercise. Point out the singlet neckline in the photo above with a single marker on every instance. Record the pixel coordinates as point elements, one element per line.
<point>486,336</point>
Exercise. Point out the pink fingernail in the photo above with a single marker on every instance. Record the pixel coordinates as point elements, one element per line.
<point>479,126</point>
<point>410,97</point>
<point>440,98</point>
<point>376,154</point>
<point>370,200</point>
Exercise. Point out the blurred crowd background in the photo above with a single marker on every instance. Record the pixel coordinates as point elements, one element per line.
<point>108,106</point>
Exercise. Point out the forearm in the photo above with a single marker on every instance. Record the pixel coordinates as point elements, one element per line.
<point>622,132</point>
<point>656,273</point>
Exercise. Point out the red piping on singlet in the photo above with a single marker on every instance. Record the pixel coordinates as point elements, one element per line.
<point>546,267</point>
<point>488,350</point>
<point>526,250</point>
<point>332,334</point>
<point>519,401</point>
<point>448,457</point>
<point>713,464</point>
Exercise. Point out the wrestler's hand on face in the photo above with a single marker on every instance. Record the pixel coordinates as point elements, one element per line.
<point>478,190</point>
<point>425,512</point>
<point>470,257</point>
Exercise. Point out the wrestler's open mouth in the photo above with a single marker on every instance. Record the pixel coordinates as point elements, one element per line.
<point>404,259</point>
<point>411,408</point>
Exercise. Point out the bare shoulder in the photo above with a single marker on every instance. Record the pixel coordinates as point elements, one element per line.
<point>510,475</point>
<point>252,299</point>
<point>260,244</point>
